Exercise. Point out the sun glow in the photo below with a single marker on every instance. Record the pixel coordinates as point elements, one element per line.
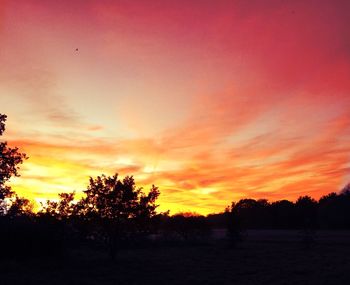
<point>211,103</point>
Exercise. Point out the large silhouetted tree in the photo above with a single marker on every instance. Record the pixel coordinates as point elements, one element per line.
<point>117,206</point>
<point>10,159</point>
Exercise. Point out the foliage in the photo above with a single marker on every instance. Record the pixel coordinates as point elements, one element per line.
<point>63,209</point>
<point>117,208</point>
<point>110,210</point>
<point>112,199</point>
<point>20,207</point>
<point>10,159</point>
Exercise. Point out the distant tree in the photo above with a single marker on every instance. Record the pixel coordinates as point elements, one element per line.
<point>344,206</point>
<point>217,220</point>
<point>253,213</point>
<point>334,209</point>
<point>233,225</point>
<point>307,215</point>
<point>283,214</point>
<point>189,227</point>
<point>116,206</point>
<point>10,159</point>
<point>329,212</point>
<point>159,223</point>
<point>306,208</point>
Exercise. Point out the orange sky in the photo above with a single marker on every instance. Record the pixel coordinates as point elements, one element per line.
<point>212,101</point>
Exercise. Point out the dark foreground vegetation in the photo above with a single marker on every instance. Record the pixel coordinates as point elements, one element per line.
<point>254,261</point>
<point>113,235</point>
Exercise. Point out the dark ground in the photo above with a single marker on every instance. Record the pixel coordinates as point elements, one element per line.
<point>265,257</point>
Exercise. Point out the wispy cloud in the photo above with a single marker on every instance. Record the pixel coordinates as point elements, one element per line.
<point>212,102</point>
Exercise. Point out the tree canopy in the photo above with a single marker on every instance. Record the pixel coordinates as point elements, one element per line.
<point>10,159</point>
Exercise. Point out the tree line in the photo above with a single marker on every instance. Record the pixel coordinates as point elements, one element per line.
<point>114,213</point>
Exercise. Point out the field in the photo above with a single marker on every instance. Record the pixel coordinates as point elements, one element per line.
<point>265,257</point>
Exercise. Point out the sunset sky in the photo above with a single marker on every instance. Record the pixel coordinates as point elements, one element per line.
<point>212,101</point>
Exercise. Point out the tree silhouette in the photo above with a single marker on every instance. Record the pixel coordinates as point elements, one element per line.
<point>253,213</point>
<point>233,225</point>
<point>189,227</point>
<point>306,210</point>
<point>334,210</point>
<point>346,189</point>
<point>60,217</point>
<point>10,159</point>
<point>116,206</point>
<point>20,207</point>
<point>63,209</point>
<point>282,214</point>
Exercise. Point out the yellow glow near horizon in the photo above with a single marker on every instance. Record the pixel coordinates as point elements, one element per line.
<point>211,102</point>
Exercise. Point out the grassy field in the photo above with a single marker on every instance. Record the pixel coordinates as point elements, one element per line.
<point>265,257</point>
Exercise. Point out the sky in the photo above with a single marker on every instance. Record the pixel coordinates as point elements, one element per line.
<point>212,101</point>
